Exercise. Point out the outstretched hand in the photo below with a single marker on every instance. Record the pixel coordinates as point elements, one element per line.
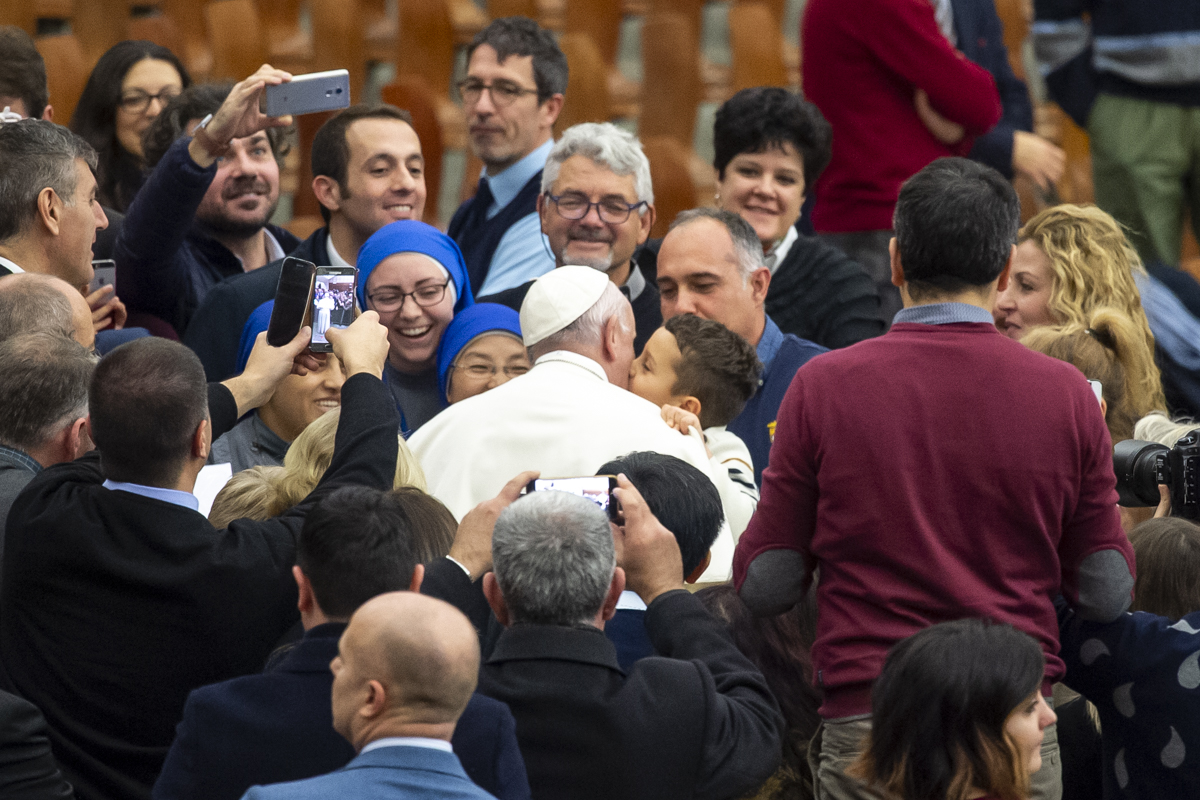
<point>473,541</point>
<point>265,368</point>
<point>649,552</point>
<point>239,116</point>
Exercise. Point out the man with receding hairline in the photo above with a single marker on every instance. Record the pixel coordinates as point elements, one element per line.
<point>406,667</point>
<point>32,302</point>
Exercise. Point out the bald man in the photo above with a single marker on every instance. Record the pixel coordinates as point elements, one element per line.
<point>31,302</point>
<point>406,667</point>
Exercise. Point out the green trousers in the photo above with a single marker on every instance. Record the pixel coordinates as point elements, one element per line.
<point>1146,170</point>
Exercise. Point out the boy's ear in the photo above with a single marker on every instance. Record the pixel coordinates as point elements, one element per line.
<point>699,570</point>
<point>691,405</point>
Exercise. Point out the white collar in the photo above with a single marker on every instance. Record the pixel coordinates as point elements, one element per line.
<point>630,601</point>
<point>12,266</point>
<point>778,253</point>
<point>335,258</point>
<point>408,741</point>
<point>566,356</point>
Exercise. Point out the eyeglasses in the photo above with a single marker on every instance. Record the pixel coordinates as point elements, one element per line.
<point>576,206</point>
<point>504,93</point>
<point>390,299</point>
<point>137,101</point>
<point>488,371</point>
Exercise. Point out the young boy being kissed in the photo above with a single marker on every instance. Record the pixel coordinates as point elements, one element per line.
<point>701,374</point>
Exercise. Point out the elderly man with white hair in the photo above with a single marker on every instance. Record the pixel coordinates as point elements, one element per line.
<point>567,416</point>
<point>597,208</point>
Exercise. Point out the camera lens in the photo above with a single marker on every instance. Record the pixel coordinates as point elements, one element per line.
<point>1139,466</point>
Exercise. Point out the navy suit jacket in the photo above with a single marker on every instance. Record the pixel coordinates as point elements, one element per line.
<point>981,39</point>
<point>410,773</point>
<point>278,726</point>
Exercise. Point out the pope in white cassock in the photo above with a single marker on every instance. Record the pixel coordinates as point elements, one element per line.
<point>568,415</point>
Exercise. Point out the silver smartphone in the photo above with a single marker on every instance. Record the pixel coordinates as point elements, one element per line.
<point>308,94</point>
<point>105,270</point>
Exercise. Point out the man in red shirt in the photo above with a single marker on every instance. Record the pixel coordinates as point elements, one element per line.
<point>898,95</point>
<point>935,473</point>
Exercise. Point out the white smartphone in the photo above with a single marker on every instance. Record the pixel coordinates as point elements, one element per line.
<point>308,94</point>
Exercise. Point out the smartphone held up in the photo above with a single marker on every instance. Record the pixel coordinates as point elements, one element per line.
<point>597,488</point>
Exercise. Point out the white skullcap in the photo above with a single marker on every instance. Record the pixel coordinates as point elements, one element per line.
<point>557,299</point>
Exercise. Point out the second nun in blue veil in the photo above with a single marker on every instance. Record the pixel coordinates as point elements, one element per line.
<point>413,276</point>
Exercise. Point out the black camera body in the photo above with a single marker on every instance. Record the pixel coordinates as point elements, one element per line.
<point>1142,466</point>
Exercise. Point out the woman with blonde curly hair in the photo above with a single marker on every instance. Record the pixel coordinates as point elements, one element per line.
<point>1070,261</point>
<point>1108,348</point>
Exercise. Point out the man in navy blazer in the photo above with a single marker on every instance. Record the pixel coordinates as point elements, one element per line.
<point>278,726</point>
<point>405,669</point>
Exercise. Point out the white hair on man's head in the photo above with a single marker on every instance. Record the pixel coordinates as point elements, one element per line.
<point>607,145</point>
<point>588,330</point>
<point>747,247</point>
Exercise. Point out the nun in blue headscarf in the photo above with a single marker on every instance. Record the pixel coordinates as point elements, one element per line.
<point>414,277</point>
<point>481,349</point>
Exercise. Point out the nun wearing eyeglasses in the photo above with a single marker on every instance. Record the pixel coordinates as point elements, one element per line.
<point>481,349</point>
<point>414,277</point>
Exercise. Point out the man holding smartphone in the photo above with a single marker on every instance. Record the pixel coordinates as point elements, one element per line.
<point>368,170</point>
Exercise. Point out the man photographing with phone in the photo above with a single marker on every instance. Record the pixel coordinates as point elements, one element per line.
<point>203,213</point>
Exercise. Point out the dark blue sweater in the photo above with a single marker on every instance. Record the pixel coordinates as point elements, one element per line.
<point>1142,673</point>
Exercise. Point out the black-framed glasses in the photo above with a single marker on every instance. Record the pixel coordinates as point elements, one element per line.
<point>610,209</point>
<point>136,101</point>
<point>392,299</point>
<point>504,93</point>
<point>487,371</point>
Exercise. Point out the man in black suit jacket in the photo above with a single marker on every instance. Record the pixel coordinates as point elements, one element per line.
<point>118,597</point>
<point>27,768</point>
<point>596,208</point>
<point>278,726</point>
<point>697,722</point>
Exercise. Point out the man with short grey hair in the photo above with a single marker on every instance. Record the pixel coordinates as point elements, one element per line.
<point>571,413</point>
<point>596,209</point>
<point>44,379</point>
<point>711,264</point>
<point>587,729</point>
<point>31,302</point>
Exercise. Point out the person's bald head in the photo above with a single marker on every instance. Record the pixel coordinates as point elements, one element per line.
<point>406,666</point>
<point>32,302</point>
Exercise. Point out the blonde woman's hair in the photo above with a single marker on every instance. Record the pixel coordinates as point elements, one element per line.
<point>1093,265</point>
<point>250,494</point>
<point>1108,348</point>
<point>1158,427</point>
<point>311,453</point>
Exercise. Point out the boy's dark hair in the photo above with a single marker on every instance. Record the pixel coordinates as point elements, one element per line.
<point>765,117</point>
<point>331,154</point>
<point>194,104</point>
<point>521,36</point>
<point>1168,567</point>
<point>22,71</point>
<point>355,544</point>
<point>146,399</point>
<point>682,497</point>
<point>956,223</point>
<point>718,367</point>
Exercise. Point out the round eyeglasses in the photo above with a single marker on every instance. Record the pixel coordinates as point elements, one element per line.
<point>576,206</point>
<point>137,101</point>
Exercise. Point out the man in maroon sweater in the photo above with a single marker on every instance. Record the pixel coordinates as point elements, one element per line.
<point>898,95</point>
<point>935,473</point>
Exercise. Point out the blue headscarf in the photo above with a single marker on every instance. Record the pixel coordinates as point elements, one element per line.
<point>256,324</point>
<point>472,322</point>
<point>411,236</point>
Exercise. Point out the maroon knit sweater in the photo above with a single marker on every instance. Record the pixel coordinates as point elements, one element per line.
<point>934,473</point>
<point>863,62</point>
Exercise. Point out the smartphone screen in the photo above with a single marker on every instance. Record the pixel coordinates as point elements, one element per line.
<point>291,300</point>
<point>332,303</point>
<point>597,488</point>
<point>105,270</point>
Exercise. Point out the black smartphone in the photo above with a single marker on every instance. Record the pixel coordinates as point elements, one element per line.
<point>105,270</point>
<point>597,488</point>
<point>292,295</point>
<point>333,303</point>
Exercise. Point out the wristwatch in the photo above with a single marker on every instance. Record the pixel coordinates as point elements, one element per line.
<point>214,148</point>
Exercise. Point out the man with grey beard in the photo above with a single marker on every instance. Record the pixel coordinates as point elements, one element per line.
<point>597,208</point>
